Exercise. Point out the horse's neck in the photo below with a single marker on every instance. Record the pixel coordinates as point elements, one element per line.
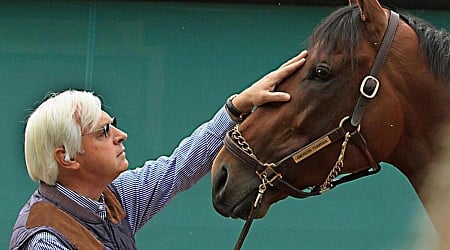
<point>423,155</point>
<point>426,107</point>
<point>433,186</point>
<point>425,103</point>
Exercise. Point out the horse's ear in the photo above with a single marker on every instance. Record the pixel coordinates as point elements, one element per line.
<point>352,2</point>
<point>374,18</point>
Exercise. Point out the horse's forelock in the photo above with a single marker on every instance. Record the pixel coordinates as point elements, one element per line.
<point>339,32</point>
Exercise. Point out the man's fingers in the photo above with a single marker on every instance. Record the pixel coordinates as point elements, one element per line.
<point>301,55</point>
<point>262,91</point>
<point>280,96</point>
<point>272,97</point>
<point>284,72</point>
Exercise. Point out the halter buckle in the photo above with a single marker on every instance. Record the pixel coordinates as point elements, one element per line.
<point>369,87</point>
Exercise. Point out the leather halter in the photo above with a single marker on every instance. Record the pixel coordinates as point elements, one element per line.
<point>270,173</point>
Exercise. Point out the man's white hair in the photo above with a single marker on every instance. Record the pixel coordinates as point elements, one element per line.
<point>58,122</point>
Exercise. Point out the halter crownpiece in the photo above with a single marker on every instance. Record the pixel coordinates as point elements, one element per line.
<point>370,84</point>
<point>270,174</point>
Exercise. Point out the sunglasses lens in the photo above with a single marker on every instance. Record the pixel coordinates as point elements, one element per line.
<point>106,130</point>
<point>106,127</point>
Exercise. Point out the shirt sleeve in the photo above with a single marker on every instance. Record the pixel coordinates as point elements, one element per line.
<point>45,241</point>
<point>146,190</point>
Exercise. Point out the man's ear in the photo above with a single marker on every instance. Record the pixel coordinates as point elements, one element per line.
<point>64,159</point>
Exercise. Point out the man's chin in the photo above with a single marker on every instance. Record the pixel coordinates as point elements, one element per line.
<point>125,165</point>
<point>122,167</point>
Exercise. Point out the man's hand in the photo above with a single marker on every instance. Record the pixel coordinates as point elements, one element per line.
<point>262,91</point>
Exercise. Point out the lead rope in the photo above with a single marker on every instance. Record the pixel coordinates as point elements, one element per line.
<point>261,190</point>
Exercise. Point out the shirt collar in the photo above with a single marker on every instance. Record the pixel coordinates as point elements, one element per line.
<point>97,207</point>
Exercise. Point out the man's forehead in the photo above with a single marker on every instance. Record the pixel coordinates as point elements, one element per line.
<point>105,116</point>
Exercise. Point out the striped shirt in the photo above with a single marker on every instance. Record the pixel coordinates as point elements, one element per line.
<point>146,190</point>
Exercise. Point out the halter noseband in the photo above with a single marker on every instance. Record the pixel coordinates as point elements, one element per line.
<point>270,174</point>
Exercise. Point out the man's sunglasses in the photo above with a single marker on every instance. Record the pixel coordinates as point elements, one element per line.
<point>105,129</point>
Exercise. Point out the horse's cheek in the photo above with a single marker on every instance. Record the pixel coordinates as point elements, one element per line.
<point>385,126</point>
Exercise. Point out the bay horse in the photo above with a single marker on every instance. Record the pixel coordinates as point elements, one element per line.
<point>374,89</point>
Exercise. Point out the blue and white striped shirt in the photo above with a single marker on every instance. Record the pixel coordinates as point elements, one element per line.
<point>146,190</point>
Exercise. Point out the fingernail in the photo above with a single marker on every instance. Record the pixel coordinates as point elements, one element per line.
<point>287,96</point>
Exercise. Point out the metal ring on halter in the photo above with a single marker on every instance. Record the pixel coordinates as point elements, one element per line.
<point>345,119</point>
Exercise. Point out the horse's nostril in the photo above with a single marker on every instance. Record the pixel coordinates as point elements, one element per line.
<point>223,175</point>
<point>220,180</point>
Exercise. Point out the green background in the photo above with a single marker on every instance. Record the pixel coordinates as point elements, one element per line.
<point>163,68</point>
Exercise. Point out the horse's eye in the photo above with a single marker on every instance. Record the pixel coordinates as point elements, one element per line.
<point>322,72</point>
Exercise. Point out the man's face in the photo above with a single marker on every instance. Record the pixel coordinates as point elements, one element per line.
<point>104,155</point>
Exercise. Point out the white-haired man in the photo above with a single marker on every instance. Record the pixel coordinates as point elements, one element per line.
<point>87,199</point>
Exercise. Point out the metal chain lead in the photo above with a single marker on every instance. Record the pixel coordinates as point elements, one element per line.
<point>337,166</point>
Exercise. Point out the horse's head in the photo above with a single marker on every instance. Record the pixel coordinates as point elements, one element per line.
<point>324,91</point>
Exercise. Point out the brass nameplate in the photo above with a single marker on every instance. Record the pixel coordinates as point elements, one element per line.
<point>311,149</point>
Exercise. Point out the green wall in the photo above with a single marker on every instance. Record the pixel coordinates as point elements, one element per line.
<point>162,69</point>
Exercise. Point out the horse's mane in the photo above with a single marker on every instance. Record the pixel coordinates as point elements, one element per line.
<point>434,43</point>
<point>340,31</point>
